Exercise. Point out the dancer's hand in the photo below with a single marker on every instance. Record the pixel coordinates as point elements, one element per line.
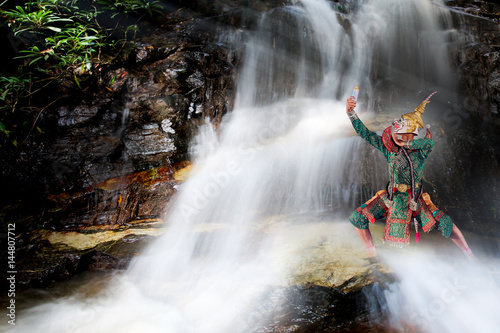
<point>350,104</point>
<point>428,134</point>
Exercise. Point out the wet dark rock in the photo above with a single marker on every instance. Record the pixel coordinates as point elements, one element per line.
<point>114,201</point>
<point>116,255</point>
<point>462,173</point>
<point>313,308</point>
<point>76,116</point>
<point>55,256</point>
<point>148,141</point>
<point>43,264</point>
<point>462,176</point>
<point>477,61</point>
<point>487,8</point>
<point>141,117</point>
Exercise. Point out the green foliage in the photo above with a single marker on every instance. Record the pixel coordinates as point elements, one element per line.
<point>24,20</point>
<point>61,40</point>
<point>65,37</point>
<point>74,47</point>
<point>139,7</point>
<point>12,86</point>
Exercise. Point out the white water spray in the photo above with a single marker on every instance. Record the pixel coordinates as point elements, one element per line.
<point>283,154</point>
<point>442,292</point>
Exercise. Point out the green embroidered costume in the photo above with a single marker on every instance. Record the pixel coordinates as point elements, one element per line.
<point>403,199</point>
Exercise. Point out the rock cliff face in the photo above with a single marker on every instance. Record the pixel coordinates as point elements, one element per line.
<point>466,175</point>
<point>477,59</point>
<point>110,156</point>
<point>114,156</point>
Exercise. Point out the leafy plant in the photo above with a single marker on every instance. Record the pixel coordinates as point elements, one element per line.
<point>132,6</point>
<point>11,89</point>
<point>61,41</point>
<point>73,48</point>
<point>24,20</point>
<point>13,86</point>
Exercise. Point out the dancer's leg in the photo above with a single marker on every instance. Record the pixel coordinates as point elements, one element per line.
<point>367,239</point>
<point>458,238</point>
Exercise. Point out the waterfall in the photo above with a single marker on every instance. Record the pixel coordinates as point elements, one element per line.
<point>310,49</point>
<point>285,157</point>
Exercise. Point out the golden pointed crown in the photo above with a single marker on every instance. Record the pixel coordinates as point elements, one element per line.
<point>414,119</point>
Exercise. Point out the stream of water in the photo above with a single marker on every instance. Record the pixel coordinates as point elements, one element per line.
<point>286,156</point>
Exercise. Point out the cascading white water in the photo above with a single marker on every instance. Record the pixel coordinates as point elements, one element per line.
<point>284,154</point>
<point>439,291</point>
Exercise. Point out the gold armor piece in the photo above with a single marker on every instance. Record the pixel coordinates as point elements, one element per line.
<point>402,187</point>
